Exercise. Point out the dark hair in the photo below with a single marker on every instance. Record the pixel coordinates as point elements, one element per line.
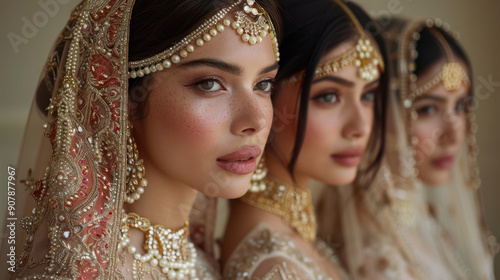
<point>430,51</point>
<point>312,28</point>
<point>158,24</point>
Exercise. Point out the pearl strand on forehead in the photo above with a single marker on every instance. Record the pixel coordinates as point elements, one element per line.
<point>251,23</point>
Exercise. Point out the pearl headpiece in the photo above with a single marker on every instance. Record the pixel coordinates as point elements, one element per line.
<point>363,55</point>
<point>252,23</point>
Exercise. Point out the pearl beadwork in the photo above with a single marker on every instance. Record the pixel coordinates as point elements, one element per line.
<point>168,249</point>
<point>135,173</point>
<point>252,23</point>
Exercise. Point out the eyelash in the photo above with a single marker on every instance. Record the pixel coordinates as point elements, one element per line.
<point>270,87</point>
<point>197,84</point>
<point>219,81</point>
<point>424,110</point>
<point>460,107</point>
<point>364,97</point>
<point>321,97</point>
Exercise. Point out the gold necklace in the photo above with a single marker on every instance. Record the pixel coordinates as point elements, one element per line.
<point>292,204</point>
<point>168,249</point>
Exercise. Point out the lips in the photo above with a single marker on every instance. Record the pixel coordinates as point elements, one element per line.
<point>243,161</point>
<point>445,162</point>
<point>349,157</point>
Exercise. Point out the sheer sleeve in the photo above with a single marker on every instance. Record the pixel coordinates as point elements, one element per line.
<point>280,268</point>
<point>264,254</point>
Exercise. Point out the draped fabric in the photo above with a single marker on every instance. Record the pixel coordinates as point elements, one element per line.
<point>73,159</point>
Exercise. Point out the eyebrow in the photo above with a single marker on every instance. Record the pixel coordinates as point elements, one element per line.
<point>432,97</point>
<point>439,98</point>
<point>374,82</point>
<point>214,63</point>
<point>343,81</point>
<point>335,79</point>
<point>269,68</point>
<point>224,66</point>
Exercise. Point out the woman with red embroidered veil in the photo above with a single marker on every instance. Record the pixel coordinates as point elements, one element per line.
<point>143,105</point>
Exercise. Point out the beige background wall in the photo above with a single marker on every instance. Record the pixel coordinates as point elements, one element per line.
<point>476,21</point>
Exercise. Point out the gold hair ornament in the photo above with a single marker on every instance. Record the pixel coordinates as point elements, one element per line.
<point>452,75</point>
<point>363,55</point>
<point>252,23</point>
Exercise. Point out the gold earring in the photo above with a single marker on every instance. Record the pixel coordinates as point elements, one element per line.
<point>257,182</point>
<point>136,182</point>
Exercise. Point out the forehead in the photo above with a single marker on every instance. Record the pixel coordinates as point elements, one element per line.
<point>338,50</point>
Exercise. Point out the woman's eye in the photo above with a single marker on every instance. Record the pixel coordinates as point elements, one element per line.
<point>264,85</point>
<point>368,96</point>
<point>461,107</point>
<point>209,85</point>
<point>328,98</point>
<point>426,110</point>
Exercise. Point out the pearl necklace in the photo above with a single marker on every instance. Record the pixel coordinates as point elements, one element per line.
<point>169,249</point>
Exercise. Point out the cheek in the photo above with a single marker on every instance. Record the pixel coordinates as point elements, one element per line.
<point>426,133</point>
<point>370,117</point>
<point>184,120</point>
<point>423,130</point>
<point>322,133</point>
<point>461,130</point>
<point>321,129</point>
<point>284,120</point>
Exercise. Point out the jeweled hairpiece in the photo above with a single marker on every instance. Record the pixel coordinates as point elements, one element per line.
<point>363,55</point>
<point>452,75</point>
<point>252,23</point>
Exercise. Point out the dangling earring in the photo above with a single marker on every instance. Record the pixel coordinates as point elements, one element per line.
<point>257,182</point>
<point>135,172</point>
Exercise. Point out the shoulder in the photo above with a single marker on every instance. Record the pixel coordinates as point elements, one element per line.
<point>281,268</point>
<point>266,254</point>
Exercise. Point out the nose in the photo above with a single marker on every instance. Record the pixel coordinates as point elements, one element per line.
<point>251,113</point>
<point>358,121</point>
<point>451,124</point>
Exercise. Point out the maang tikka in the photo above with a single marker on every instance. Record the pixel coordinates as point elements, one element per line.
<point>363,55</point>
<point>252,23</point>
<point>452,75</point>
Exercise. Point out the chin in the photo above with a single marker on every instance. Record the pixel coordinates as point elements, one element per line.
<point>435,178</point>
<point>339,178</point>
<point>229,189</point>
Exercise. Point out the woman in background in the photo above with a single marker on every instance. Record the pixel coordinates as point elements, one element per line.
<point>328,111</point>
<point>421,218</point>
<point>436,102</point>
